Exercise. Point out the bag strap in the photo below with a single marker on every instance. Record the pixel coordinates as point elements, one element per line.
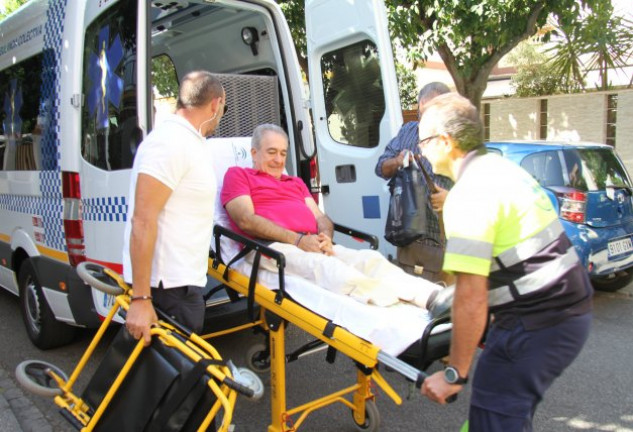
<point>427,176</point>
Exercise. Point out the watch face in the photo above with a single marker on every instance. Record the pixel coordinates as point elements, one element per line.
<point>451,375</point>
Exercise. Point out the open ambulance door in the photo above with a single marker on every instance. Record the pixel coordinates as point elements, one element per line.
<point>356,108</point>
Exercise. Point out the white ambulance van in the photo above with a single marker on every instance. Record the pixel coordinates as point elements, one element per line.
<point>76,100</point>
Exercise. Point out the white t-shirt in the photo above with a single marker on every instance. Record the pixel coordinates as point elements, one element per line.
<point>179,157</point>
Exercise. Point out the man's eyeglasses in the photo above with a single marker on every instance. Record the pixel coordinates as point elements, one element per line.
<point>427,139</point>
<point>226,108</point>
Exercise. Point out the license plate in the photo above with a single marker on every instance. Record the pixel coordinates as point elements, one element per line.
<point>619,247</point>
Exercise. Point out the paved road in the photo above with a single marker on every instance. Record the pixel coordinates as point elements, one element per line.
<point>594,394</point>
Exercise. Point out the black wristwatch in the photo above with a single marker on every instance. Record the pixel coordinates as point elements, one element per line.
<point>451,375</point>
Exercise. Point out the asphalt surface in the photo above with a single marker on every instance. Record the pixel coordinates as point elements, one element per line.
<point>19,413</point>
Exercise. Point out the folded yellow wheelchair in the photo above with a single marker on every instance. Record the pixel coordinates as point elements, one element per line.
<point>178,383</point>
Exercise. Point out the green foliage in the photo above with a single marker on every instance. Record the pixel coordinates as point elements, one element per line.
<point>533,77</point>
<point>9,6</point>
<point>471,36</point>
<point>164,77</point>
<point>599,41</point>
<point>408,87</point>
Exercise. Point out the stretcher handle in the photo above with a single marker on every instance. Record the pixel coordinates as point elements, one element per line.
<point>369,238</point>
<point>219,231</point>
<point>280,258</point>
<point>240,388</point>
<point>408,371</point>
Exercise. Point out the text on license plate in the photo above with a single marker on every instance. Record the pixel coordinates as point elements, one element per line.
<point>620,246</point>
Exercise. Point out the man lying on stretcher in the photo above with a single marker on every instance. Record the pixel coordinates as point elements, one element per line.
<point>265,203</point>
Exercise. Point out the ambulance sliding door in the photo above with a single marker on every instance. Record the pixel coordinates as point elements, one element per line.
<point>356,108</point>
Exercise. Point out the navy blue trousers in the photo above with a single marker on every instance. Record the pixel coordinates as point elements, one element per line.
<point>515,369</point>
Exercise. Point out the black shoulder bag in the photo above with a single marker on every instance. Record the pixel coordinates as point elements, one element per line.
<point>406,219</point>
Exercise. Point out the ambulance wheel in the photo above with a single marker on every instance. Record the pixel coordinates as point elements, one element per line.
<point>41,325</point>
<point>33,376</point>
<point>95,276</point>
<point>372,418</point>
<point>258,358</point>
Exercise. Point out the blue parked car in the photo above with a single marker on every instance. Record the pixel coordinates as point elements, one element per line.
<point>592,192</point>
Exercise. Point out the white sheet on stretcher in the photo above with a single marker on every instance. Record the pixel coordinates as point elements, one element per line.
<point>391,328</point>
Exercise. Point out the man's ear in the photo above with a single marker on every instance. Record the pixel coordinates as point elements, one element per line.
<point>215,104</point>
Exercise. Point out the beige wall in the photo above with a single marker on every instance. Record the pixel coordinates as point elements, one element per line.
<point>624,129</point>
<point>576,117</point>
<point>514,119</point>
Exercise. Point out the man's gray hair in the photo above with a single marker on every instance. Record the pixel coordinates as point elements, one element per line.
<point>197,89</point>
<point>258,134</point>
<point>432,90</point>
<point>456,116</point>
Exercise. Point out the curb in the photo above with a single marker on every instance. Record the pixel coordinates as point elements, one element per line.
<point>17,412</point>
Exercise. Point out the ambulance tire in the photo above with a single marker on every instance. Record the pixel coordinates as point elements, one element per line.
<point>372,418</point>
<point>43,329</point>
<point>33,376</point>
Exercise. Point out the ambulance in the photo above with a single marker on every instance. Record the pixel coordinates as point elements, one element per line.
<point>80,83</point>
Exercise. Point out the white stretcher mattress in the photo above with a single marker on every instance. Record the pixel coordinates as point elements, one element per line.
<point>391,328</point>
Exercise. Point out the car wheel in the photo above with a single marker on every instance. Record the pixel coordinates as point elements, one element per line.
<point>613,282</point>
<point>41,326</point>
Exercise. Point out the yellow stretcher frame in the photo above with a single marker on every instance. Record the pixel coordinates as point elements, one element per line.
<point>75,410</point>
<point>356,348</point>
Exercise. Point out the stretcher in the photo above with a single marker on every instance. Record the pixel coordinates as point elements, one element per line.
<point>178,383</point>
<point>278,307</point>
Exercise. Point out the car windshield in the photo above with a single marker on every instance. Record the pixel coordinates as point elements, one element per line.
<point>587,169</point>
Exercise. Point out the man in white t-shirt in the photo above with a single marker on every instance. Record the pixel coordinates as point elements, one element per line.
<point>170,217</point>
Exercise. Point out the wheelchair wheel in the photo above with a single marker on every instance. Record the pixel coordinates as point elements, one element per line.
<point>258,358</point>
<point>33,376</point>
<point>250,379</point>
<point>372,418</point>
<point>94,275</point>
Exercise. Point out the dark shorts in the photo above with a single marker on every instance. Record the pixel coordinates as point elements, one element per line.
<point>185,304</point>
<point>515,369</point>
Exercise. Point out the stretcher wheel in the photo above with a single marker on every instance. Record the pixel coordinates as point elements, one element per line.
<point>372,418</point>
<point>33,376</point>
<point>258,358</point>
<point>94,275</point>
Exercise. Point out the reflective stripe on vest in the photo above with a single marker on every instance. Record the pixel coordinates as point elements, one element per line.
<point>469,247</point>
<point>528,247</point>
<point>535,280</point>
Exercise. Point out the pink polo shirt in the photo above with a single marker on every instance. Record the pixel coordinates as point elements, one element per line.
<point>279,200</point>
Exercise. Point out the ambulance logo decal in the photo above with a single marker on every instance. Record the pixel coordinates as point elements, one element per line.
<point>12,104</point>
<point>107,87</point>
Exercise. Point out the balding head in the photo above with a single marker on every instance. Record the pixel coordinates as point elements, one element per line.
<point>198,89</point>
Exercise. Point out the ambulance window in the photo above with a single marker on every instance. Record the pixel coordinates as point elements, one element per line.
<point>110,133</point>
<point>165,86</point>
<point>353,91</point>
<point>21,123</point>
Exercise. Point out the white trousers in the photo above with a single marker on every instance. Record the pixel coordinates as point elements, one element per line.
<point>365,274</point>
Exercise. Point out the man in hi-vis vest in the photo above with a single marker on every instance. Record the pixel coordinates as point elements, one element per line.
<point>512,259</point>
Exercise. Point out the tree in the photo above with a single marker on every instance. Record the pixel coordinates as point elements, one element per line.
<point>9,6</point>
<point>408,87</point>
<point>600,41</point>
<point>471,36</point>
<point>533,76</point>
